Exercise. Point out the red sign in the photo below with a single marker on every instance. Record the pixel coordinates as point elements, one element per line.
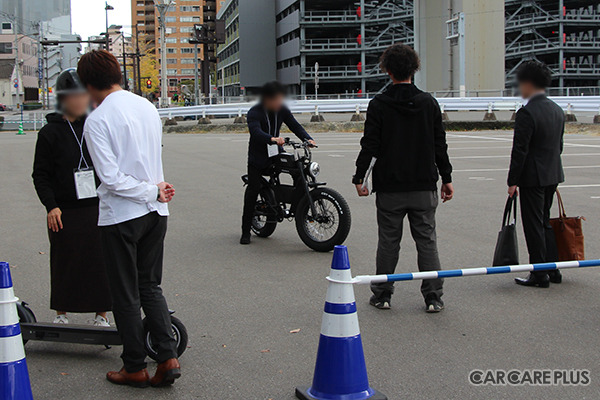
<point>359,11</point>
<point>359,66</point>
<point>359,38</point>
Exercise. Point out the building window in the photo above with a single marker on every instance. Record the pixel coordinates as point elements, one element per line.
<point>186,29</point>
<point>187,71</point>
<point>6,48</point>
<point>184,40</point>
<point>173,82</point>
<point>171,71</point>
<point>187,61</point>
<point>171,40</point>
<point>189,8</point>
<point>171,30</point>
<point>171,61</point>
<point>187,50</point>
<point>171,50</point>
<point>189,19</point>
<point>170,19</point>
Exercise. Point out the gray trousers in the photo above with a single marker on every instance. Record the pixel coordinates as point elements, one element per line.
<point>391,210</point>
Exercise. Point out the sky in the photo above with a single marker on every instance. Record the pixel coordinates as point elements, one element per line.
<point>88,16</point>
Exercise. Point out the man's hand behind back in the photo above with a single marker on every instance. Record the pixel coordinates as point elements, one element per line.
<point>166,192</point>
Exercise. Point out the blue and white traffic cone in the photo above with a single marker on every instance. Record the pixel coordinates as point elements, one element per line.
<point>340,371</point>
<point>14,377</point>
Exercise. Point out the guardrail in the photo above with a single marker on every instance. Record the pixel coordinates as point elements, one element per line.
<point>569,104</point>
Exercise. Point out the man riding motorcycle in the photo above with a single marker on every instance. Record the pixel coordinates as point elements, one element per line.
<point>264,123</point>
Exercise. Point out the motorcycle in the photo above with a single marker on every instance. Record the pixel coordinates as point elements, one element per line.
<point>322,215</point>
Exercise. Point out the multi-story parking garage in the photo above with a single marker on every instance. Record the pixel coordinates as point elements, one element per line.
<point>563,34</point>
<point>346,38</point>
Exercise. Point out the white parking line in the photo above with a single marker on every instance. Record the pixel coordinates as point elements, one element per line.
<point>508,156</point>
<point>579,186</point>
<point>506,169</point>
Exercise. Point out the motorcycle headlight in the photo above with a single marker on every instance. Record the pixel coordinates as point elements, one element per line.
<point>314,169</point>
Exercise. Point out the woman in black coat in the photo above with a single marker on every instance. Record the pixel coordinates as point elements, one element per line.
<point>65,183</point>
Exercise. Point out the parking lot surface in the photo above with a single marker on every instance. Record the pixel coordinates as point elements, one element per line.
<point>241,303</point>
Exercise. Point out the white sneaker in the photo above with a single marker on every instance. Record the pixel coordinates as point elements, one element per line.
<point>101,321</point>
<point>61,319</point>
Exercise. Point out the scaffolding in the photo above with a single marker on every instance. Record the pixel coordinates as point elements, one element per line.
<point>346,39</point>
<point>565,35</point>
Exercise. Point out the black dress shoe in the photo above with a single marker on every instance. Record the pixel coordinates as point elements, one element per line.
<point>534,280</point>
<point>555,276</point>
<point>245,239</point>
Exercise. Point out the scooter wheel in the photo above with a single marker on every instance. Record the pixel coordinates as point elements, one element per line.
<point>25,315</point>
<point>179,333</point>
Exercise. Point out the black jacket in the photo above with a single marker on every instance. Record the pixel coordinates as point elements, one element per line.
<point>404,131</point>
<point>56,158</point>
<point>538,144</point>
<point>263,126</point>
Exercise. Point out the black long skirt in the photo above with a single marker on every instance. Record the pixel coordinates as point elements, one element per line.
<point>77,272</point>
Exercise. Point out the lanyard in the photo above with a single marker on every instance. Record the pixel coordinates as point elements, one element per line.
<point>269,123</point>
<point>80,143</point>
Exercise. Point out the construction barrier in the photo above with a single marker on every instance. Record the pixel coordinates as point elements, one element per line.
<point>14,376</point>
<point>340,370</point>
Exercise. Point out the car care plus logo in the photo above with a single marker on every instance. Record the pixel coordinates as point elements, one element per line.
<point>530,377</point>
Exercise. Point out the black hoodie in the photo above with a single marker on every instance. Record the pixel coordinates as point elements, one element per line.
<point>57,156</point>
<point>404,131</point>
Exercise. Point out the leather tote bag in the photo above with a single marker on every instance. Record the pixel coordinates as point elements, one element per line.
<point>507,246</point>
<point>568,232</point>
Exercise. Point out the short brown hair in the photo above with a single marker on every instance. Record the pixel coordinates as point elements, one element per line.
<point>400,60</point>
<point>99,69</point>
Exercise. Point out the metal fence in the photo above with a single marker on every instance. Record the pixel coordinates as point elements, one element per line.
<point>588,104</point>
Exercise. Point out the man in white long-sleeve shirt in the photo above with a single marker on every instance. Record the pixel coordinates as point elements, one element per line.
<point>124,138</point>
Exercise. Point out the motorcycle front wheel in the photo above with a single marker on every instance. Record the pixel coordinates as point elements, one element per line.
<point>331,224</point>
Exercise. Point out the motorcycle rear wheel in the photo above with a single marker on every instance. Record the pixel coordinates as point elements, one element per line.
<point>331,225</point>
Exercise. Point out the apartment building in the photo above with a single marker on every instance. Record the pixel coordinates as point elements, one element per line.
<point>180,21</point>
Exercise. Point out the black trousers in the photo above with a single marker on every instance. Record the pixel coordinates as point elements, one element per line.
<point>536,203</point>
<point>134,259</point>
<point>252,190</point>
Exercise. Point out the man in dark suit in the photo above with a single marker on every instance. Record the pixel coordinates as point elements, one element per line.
<point>536,167</point>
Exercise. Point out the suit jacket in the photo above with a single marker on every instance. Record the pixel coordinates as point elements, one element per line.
<point>538,144</point>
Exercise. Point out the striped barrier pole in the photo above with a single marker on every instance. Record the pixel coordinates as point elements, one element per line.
<point>14,377</point>
<point>454,273</point>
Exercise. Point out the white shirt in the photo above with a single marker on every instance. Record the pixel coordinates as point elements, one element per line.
<point>124,138</point>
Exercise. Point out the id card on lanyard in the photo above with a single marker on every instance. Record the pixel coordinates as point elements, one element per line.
<point>272,149</point>
<point>85,180</point>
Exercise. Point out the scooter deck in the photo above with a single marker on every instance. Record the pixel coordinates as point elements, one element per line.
<point>71,333</point>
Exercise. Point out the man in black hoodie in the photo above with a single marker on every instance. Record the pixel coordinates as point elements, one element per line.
<point>264,123</point>
<point>404,133</point>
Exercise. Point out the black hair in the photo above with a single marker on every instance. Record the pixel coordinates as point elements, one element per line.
<point>536,73</point>
<point>271,90</point>
<point>401,61</point>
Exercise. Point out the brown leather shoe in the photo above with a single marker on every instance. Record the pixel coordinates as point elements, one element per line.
<point>139,379</point>
<point>166,373</point>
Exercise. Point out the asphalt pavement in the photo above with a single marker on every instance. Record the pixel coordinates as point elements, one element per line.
<point>240,304</point>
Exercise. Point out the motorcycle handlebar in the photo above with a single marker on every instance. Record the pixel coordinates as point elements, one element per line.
<point>303,144</point>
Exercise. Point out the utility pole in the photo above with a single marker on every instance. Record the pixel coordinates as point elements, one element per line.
<point>196,40</point>
<point>125,81</point>
<point>107,8</point>
<point>163,7</point>
<point>17,81</point>
<point>139,60</point>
